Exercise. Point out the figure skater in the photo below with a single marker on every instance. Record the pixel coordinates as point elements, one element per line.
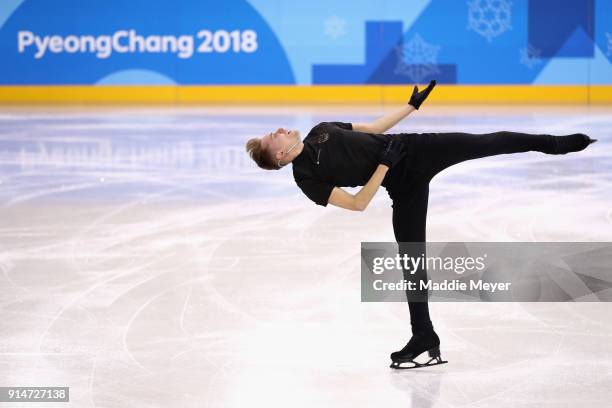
<point>339,154</point>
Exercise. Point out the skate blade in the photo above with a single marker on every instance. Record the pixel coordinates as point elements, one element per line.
<point>432,362</point>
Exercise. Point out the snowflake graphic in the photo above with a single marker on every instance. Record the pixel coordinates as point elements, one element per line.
<point>489,18</point>
<point>530,56</point>
<point>609,35</point>
<point>335,27</point>
<point>417,59</point>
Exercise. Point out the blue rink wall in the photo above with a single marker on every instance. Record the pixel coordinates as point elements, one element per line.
<point>315,42</point>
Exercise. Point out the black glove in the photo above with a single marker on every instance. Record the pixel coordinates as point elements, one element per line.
<point>392,154</point>
<point>418,98</point>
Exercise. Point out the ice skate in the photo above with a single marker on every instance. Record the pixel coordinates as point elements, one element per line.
<point>418,344</point>
<point>570,143</point>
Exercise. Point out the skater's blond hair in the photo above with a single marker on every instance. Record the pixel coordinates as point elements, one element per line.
<point>261,156</point>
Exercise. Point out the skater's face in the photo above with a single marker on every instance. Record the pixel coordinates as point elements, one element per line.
<point>280,141</point>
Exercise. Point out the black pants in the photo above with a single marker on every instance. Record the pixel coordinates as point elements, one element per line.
<point>432,153</point>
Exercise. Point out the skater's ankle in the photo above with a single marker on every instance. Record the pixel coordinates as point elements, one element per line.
<point>423,330</point>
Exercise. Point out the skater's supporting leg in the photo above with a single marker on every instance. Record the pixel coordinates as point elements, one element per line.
<point>409,225</point>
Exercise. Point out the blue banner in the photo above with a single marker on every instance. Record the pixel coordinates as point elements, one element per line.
<point>189,42</point>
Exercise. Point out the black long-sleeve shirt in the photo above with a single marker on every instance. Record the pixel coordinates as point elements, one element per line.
<point>335,155</point>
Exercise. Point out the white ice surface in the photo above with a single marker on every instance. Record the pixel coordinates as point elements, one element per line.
<point>145,261</point>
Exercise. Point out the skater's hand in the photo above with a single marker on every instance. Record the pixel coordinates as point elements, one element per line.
<point>392,154</point>
<point>418,98</point>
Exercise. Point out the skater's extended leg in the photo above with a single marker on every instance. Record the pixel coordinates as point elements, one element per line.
<point>442,150</point>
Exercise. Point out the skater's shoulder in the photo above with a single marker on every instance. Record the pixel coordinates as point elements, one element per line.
<point>316,129</point>
<point>331,127</point>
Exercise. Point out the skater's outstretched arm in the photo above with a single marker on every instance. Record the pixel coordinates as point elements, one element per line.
<point>386,122</point>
